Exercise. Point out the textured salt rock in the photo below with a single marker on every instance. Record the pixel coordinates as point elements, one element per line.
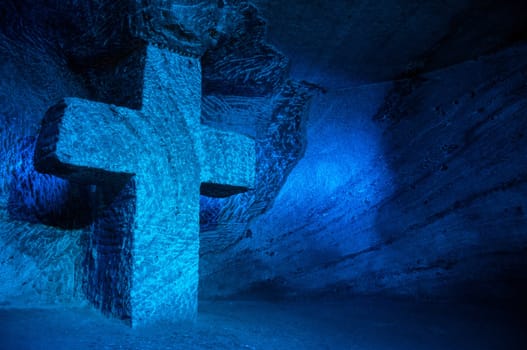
<point>106,64</point>
<point>39,264</point>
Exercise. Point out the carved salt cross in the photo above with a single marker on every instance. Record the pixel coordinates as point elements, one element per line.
<point>170,156</point>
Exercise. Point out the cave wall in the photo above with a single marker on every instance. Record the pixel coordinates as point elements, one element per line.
<point>39,236</point>
<point>413,188</point>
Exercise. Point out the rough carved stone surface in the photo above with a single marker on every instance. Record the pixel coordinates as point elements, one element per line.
<point>188,26</point>
<point>149,247</point>
<point>102,68</point>
<point>414,188</point>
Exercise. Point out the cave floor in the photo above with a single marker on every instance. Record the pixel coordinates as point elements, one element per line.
<point>362,323</point>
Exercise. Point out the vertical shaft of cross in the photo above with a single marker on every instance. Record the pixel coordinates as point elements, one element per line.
<point>166,240</point>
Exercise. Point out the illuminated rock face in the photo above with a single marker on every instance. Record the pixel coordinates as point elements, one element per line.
<point>411,187</point>
<point>148,166</point>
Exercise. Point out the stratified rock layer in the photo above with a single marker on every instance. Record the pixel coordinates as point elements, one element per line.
<point>415,188</point>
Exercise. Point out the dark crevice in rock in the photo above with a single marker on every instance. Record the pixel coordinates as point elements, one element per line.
<point>460,27</point>
<point>244,64</point>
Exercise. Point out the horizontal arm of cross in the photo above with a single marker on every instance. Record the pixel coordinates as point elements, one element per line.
<point>72,143</point>
<point>227,163</point>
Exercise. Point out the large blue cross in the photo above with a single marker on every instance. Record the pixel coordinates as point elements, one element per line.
<point>170,156</point>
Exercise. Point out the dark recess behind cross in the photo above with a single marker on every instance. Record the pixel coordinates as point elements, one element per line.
<point>348,42</point>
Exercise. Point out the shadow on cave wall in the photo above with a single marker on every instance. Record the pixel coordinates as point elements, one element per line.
<point>45,199</point>
<point>455,225</point>
<point>105,60</point>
